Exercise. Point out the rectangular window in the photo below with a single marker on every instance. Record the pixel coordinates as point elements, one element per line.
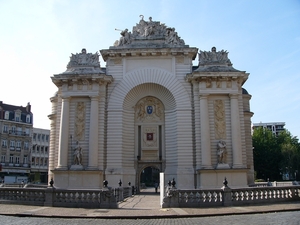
<point>3,158</point>
<point>43,137</point>
<point>19,131</point>
<point>39,137</point>
<point>34,136</point>
<point>47,138</point>
<point>4,143</point>
<point>17,159</point>
<point>5,129</point>
<point>18,145</point>
<point>26,145</point>
<point>13,130</point>
<point>45,162</point>
<point>12,143</point>
<point>25,160</point>
<point>11,159</point>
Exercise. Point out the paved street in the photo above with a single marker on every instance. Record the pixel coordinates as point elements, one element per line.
<point>282,218</point>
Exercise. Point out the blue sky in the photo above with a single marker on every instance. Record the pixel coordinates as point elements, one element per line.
<point>262,38</point>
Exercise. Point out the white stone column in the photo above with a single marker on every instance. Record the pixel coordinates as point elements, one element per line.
<point>205,133</point>
<point>236,132</point>
<point>93,137</point>
<point>64,135</point>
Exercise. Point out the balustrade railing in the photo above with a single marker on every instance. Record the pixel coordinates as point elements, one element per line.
<point>258,195</point>
<point>58,197</point>
<point>109,198</point>
<point>230,197</point>
<point>22,196</point>
<point>84,198</point>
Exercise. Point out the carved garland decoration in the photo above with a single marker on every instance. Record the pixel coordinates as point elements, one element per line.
<point>220,124</point>
<point>80,121</point>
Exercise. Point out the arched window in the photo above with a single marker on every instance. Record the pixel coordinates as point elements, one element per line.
<point>6,116</point>
<point>28,118</point>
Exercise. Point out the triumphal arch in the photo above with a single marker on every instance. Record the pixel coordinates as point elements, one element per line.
<point>149,110</point>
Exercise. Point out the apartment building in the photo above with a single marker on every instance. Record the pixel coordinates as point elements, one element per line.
<point>275,127</point>
<point>16,124</point>
<point>39,155</point>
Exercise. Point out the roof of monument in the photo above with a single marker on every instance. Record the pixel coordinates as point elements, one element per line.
<point>83,63</point>
<point>214,61</point>
<point>149,34</point>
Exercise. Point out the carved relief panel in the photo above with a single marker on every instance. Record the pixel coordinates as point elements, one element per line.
<point>149,117</point>
<point>220,123</point>
<point>80,121</point>
<point>149,109</point>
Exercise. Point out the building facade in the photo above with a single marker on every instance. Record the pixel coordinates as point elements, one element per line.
<point>16,124</point>
<point>275,127</point>
<point>39,155</point>
<point>150,108</point>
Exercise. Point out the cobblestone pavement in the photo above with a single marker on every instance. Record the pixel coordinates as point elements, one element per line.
<point>282,218</point>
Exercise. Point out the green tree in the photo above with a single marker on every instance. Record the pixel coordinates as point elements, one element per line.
<point>274,155</point>
<point>266,154</point>
<point>290,152</point>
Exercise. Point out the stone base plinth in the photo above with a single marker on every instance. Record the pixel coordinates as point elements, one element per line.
<point>222,166</point>
<point>214,178</point>
<point>76,167</point>
<point>78,179</point>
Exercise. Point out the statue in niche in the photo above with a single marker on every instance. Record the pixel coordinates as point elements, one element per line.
<point>77,154</point>
<point>221,152</point>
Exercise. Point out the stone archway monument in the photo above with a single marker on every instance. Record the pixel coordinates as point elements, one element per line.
<point>149,106</point>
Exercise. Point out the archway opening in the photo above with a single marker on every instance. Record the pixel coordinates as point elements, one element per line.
<point>149,177</point>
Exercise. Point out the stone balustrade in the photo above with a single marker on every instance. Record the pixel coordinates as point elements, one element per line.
<point>230,197</point>
<point>59,197</point>
<point>109,198</point>
<point>22,196</point>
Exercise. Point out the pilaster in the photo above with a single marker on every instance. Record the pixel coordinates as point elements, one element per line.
<point>93,137</point>
<point>235,132</point>
<point>205,132</point>
<point>64,134</point>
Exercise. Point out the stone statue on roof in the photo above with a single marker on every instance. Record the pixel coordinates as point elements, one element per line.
<point>214,57</point>
<point>83,58</point>
<point>83,63</point>
<point>149,32</point>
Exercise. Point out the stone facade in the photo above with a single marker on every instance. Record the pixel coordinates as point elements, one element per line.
<point>150,107</point>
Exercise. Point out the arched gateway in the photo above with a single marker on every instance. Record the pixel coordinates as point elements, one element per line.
<point>150,108</point>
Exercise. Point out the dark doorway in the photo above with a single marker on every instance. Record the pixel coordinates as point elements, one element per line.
<point>149,176</point>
